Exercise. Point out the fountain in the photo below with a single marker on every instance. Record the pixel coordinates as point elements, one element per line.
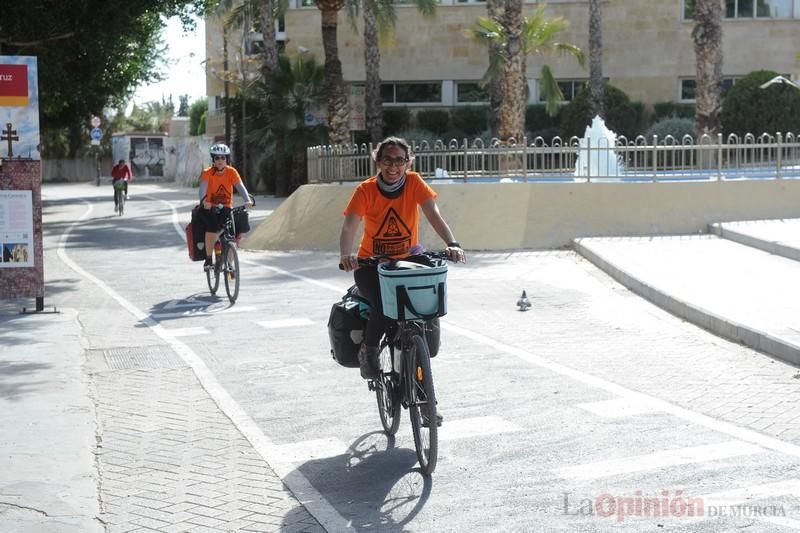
<point>596,155</point>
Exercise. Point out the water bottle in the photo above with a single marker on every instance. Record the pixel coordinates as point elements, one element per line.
<point>217,249</point>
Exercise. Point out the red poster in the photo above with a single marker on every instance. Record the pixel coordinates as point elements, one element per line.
<point>14,85</point>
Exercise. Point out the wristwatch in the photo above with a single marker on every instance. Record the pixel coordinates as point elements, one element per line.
<point>454,244</point>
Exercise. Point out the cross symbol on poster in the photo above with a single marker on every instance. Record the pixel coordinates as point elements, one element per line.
<point>9,135</point>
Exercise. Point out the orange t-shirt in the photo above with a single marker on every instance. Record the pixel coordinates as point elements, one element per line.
<point>220,186</point>
<point>390,224</point>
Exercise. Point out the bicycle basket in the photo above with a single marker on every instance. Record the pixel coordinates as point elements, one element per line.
<point>241,219</point>
<point>411,291</point>
<point>119,185</point>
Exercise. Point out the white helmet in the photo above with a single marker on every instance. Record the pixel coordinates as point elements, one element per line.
<point>220,149</point>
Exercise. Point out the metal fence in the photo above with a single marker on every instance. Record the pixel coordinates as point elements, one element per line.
<point>640,159</point>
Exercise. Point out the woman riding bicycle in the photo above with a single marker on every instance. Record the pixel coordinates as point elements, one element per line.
<point>216,188</point>
<point>389,204</point>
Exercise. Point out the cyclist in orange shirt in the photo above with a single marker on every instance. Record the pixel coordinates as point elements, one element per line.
<point>216,189</point>
<point>389,203</point>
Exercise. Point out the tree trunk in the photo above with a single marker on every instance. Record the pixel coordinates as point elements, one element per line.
<point>494,9</point>
<point>707,36</point>
<point>372,89</point>
<point>512,109</point>
<point>270,62</point>
<point>268,67</point>
<point>338,127</point>
<point>595,59</point>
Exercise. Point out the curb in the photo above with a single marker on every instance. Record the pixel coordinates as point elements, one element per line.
<point>728,329</point>
<point>773,247</point>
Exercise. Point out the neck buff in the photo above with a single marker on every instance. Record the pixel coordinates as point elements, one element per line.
<point>391,190</point>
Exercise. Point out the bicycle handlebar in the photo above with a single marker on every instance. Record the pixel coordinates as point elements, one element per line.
<point>375,260</point>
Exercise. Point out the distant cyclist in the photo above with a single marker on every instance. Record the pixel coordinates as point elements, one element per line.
<point>121,171</point>
<point>216,189</point>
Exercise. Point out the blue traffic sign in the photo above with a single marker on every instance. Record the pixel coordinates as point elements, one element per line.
<point>97,134</point>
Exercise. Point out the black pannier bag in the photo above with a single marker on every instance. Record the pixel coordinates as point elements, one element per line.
<point>346,328</point>
<point>432,336</point>
<point>241,221</point>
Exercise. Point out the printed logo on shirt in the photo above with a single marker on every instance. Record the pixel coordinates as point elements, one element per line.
<point>393,237</point>
<point>222,196</point>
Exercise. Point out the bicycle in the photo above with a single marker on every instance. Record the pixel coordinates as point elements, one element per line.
<point>405,378</point>
<point>226,256</point>
<point>119,195</point>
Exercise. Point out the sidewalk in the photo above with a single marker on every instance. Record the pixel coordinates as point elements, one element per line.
<point>47,431</point>
<point>166,459</point>
<point>737,291</point>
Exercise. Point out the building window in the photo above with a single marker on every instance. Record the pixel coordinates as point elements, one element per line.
<point>411,93</point>
<point>569,88</point>
<point>747,9</point>
<point>470,93</point>
<point>689,85</point>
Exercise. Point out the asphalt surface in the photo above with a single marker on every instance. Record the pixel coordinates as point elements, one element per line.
<point>145,404</point>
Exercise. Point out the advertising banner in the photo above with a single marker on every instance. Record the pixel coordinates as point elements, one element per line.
<point>21,256</point>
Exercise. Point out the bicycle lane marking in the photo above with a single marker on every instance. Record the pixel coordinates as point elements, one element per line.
<point>330,519</point>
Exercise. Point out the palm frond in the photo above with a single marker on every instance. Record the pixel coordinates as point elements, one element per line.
<point>551,92</point>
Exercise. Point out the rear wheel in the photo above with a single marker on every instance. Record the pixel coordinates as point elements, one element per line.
<point>387,394</point>
<point>422,404</point>
<point>231,272</point>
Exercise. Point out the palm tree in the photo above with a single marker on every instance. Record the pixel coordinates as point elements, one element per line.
<point>379,23</point>
<point>296,86</point>
<point>517,37</point>
<point>338,111</point>
<point>595,59</point>
<point>707,37</point>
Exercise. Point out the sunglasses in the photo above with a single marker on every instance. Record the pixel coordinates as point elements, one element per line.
<point>393,161</point>
<point>220,157</point>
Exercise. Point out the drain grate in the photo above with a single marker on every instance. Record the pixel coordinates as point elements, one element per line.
<point>142,357</point>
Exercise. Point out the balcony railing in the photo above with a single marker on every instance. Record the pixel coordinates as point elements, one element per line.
<point>640,159</point>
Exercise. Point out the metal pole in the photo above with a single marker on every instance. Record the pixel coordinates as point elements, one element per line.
<point>97,165</point>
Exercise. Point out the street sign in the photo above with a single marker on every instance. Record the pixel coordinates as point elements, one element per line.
<point>97,134</point>
<point>95,122</point>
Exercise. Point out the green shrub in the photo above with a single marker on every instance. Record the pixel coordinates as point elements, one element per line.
<point>539,124</point>
<point>469,119</point>
<point>435,120</point>
<point>663,110</point>
<point>749,109</point>
<point>417,135</point>
<point>622,116</point>
<point>677,127</point>
<point>395,119</point>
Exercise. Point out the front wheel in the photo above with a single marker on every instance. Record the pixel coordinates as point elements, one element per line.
<point>121,201</point>
<point>231,272</point>
<point>212,277</point>
<point>387,394</point>
<point>422,404</point>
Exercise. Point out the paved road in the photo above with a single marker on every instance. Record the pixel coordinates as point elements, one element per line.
<point>593,411</point>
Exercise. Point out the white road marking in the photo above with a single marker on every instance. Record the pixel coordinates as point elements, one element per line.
<point>208,311</point>
<point>299,452</point>
<point>285,323</point>
<point>652,461</point>
<point>186,332</point>
<point>632,396</point>
<point>618,408</point>
<point>789,487</point>
<point>475,427</point>
<point>297,483</point>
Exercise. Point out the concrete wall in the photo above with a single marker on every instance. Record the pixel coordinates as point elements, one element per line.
<point>506,216</point>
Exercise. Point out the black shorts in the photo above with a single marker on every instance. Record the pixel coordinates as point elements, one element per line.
<point>213,220</point>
